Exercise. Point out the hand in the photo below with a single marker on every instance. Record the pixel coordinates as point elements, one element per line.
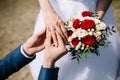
<point>102,6</point>
<point>54,22</point>
<point>53,53</point>
<point>35,43</point>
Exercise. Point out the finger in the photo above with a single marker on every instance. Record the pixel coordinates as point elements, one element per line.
<point>60,40</point>
<point>48,41</point>
<point>64,31</point>
<point>54,37</point>
<point>52,30</point>
<point>61,33</point>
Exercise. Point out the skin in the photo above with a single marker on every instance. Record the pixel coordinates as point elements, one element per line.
<point>102,6</point>
<point>43,40</point>
<point>53,53</point>
<point>35,43</point>
<point>53,21</point>
<point>57,31</point>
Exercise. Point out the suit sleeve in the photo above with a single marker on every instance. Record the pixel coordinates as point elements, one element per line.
<point>48,73</point>
<point>13,62</point>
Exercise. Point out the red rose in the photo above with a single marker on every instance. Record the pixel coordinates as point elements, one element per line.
<point>75,41</point>
<point>76,23</point>
<point>88,40</point>
<point>70,32</point>
<point>86,13</point>
<point>87,24</point>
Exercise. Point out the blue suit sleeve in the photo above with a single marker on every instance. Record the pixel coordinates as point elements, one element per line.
<point>48,73</point>
<point>13,62</point>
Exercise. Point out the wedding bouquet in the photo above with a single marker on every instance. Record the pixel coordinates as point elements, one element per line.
<point>86,34</point>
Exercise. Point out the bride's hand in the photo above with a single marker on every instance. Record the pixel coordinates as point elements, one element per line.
<point>102,7</point>
<point>54,22</point>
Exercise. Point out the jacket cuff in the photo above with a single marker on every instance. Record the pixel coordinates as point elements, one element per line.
<point>24,54</point>
<point>48,73</point>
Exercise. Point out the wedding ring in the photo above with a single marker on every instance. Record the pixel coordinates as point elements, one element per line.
<point>52,29</point>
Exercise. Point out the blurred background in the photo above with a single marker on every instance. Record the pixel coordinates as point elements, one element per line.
<point>17,19</point>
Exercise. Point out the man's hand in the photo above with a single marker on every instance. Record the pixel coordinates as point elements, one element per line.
<point>53,53</point>
<point>35,43</point>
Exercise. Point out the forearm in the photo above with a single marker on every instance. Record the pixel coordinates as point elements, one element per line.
<point>12,63</point>
<point>102,6</point>
<point>46,7</point>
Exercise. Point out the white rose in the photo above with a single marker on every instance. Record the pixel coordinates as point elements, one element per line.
<point>103,25</point>
<point>97,21</point>
<point>82,19</point>
<point>97,34</point>
<point>70,24</point>
<point>81,32</point>
<point>73,29</point>
<point>100,26</point>
<point>74,35</point>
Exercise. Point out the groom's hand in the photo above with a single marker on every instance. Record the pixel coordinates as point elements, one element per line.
<point>35,43</point>
<point>53,53</point>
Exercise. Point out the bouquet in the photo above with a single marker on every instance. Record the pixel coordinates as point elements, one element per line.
<point>86,34</point>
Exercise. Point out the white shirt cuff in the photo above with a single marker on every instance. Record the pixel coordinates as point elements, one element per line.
<point>24,54</point>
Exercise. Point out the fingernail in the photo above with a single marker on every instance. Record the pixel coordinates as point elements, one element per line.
<point>56,45</point>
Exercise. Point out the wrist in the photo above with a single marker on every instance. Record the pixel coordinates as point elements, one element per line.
<point>46,6</point>
<point>48,64</point>
<point>27,51</point>
<point>100,14</point>
<point>48,13</point>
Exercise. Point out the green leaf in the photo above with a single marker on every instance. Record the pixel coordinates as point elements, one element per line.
<point>113,27</point>
<point>110,33</point>
<point>114,31</point>
<point>73,58</point>
<point>78,60</point>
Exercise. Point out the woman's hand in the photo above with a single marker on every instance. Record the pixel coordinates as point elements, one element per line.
<point>53,21</point>
<point>102,6</point>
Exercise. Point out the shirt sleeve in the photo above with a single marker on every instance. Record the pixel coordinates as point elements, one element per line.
<point>24,54</point>
<point>48,73</point>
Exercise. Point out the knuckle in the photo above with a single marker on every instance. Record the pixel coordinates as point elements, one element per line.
<point>65,31</point>
<point>61,22</point>
<point>65,50</point>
